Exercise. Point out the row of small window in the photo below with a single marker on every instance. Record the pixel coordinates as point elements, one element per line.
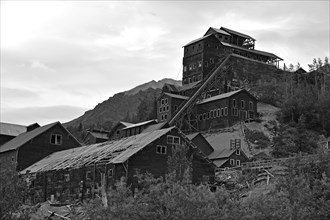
<point>164,109</point>
<point>232,162</point>
<point>193,66</point>
<point>194,78</point>
<point>214,114</point>
<point>163,117</point>
<point>164,101</point>
<point>243,104</point>
<point>160,149</point>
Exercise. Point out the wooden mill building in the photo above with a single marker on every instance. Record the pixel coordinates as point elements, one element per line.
<point>68,173</point>
<point>212,95</point>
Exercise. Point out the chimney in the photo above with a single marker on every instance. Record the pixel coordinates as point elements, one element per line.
<point>32,127</point>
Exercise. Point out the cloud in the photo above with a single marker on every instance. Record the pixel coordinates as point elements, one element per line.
<point>41,115</point>
<point>35,64</point>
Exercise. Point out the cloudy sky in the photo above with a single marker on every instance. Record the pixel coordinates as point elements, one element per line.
<point>59,59</point>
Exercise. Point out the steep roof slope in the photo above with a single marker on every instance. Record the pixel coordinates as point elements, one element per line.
<point>115,151</point>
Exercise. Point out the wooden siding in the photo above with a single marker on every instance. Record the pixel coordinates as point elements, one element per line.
<point>40,147</point>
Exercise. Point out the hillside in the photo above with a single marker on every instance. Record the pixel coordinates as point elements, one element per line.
<point>122,106</point>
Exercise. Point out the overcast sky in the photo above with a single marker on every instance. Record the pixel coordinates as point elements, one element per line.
<point>59,59</point>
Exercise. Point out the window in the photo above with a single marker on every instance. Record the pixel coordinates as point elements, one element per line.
<point>208,115</point>
<point>88,175</point>
<point>199,77</point>
<point>194,66</point>
<point>165,117</point>
<point>162,117</point>
<point>190,80</point>
<point>234,102</point>
<point>160,110</point>
<point>200,117</point>
<point>218,112</point>
<point>56,139</point>
<point>238,152</point>
<point>199,63</point>
<point>204,116</point>
<point>222,112</point>
<point>194,79</point>
<point>250,105</point>
<point>175,107</point>
<point>164,108</point>
<point>211,60</point>
<point>166,100</point>
<point>66,177</point>
<point>235,112</point>
<point>226,111</point>
<point>232,162</point>
<point>238,163</point>
<point>162,102</point>
<point>190,67</point>
<point>173,139</point>
<point>161,149</point>
<point>242,104</point>
<point>167,108</point>
<point>110,173</point>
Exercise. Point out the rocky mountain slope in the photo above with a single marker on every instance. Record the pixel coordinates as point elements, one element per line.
<point>122,106</point>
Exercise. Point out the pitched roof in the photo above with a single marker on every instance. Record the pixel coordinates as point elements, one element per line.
<point>198,39</point>
<point>220,162</point>
<point>100,135</point>
<point>140,124</point>
<point>221,153</point>
<point>264,53</point>
<point>192,136</point>
<point>115,151</point>
<point>126,124</point>
<point>156,127</point>
<point>218,31</point>
<point>176,96</point>
<point>11,129</point>
<point>223,96</point>
<point>236,33</point>
<point>189,86</point>
<point>23,138</point>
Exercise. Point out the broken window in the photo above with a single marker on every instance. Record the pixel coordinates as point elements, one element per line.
<point>110,173</point>
<point>88,175</point>
<point>234,102</point>
<point>66,177</point>
<point>250,105</point>
<point>225,111</point>
<point>232,162</point>
<point>238,162</point>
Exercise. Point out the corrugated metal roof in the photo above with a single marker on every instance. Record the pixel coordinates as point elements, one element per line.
<point>25,137</point>
<point>11,129</point>
<point>236,33</point>
<point>126,124</point>
<point>115,151</point>
<point>140,124</point>
<point>176,96</point>
<point>252,51</point>
<point>221,96</point>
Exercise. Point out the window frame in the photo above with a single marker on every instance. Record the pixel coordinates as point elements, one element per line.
<point>226,111</point>
<point>238,152</point>
<point>234,103</point>
<point>238,163</point>
<point>243,104</point>
<point>232,162</point>
<point>55,139</point>
<point>161,149</point>
<point>250,105</point>
<point>110,171</point>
